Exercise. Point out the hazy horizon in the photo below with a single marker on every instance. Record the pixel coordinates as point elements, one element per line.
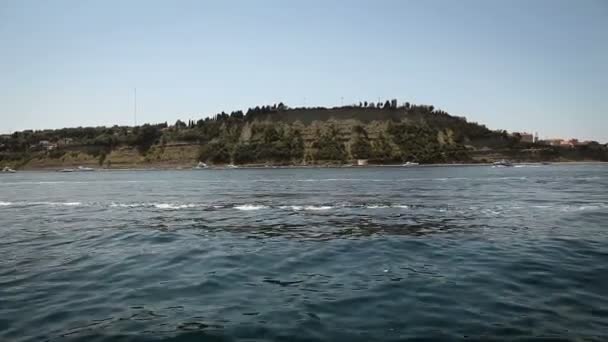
<point>536,67</point>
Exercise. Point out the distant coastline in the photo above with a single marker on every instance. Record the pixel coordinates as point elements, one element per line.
<point>330,166</point>
<point>276,136</point>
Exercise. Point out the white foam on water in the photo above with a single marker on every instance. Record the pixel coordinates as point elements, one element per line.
<point>164,206</point>
<point>589,207</point>
<point>248,207</point>
<point>401,206</point>
<point>585,207</point>
<point>490,212</point>
<point>563,207</point>
<point>334,180</point>
<point>5,204</point>
<point>313,207</point>
<point>305,207</point>
<point>375,206</point>
<point>123,205</point>
<point>173,206</point>
<point>56,204</point>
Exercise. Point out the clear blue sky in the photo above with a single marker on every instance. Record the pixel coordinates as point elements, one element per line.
<point>516,65</point>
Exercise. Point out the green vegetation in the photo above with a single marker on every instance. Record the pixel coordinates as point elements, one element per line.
<point>381,132</point>
<point>329,147</point>
<point>361,148</point>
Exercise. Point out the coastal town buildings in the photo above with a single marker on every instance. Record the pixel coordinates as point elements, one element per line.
<point>525,137</point>
<point>566,142</point>
<point>554,142</point>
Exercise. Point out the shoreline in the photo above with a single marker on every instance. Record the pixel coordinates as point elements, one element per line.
<point>330,166</point>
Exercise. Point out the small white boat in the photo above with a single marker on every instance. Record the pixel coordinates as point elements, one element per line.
<point>85,169</point>
<point>66,170</point>
<point>200,166</point>
<point>410,164</point>
<point>8,170</point>
<point>232,166</point>
<point>502,163</point>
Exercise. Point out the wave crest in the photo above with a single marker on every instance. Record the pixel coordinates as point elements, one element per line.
<point>248,207</point>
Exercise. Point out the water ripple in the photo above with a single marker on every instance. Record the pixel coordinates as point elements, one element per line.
<point>345,255</point>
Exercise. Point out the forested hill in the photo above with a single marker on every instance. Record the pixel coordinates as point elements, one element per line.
<point>383,133</point>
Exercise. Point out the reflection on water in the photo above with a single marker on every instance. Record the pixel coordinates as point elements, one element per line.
<point>331,254</point>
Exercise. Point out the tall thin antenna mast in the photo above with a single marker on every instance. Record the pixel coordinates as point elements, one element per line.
<point>135,106</point>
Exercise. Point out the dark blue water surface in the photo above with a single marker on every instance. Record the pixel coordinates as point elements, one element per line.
<point>373,254</point>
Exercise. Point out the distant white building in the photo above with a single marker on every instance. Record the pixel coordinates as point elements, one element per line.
<point>554,142</point>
